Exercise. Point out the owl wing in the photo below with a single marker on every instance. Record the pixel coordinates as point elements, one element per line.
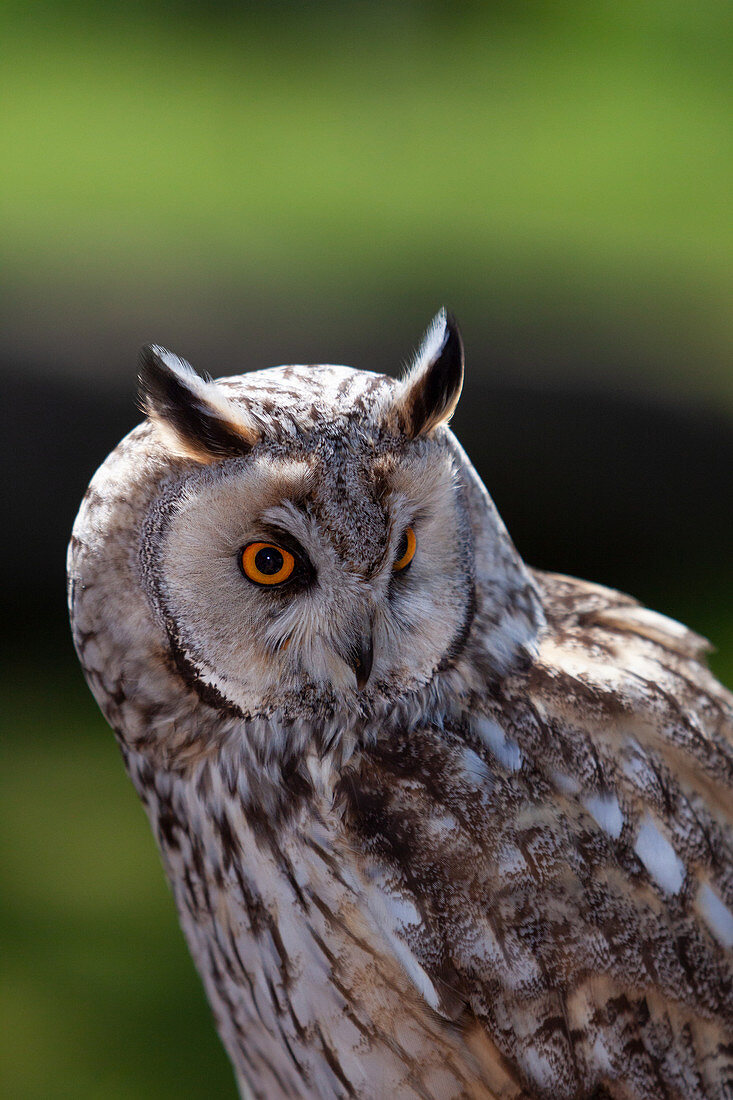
<point>560,867</point>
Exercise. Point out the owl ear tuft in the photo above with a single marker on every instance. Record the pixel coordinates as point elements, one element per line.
<point>428,395</point>
<point>195,417</point>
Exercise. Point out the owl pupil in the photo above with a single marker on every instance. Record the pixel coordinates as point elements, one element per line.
<point>269,560</point>
<point>402,548</point>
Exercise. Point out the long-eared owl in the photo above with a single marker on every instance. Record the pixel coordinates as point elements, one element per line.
<point>437,825</point>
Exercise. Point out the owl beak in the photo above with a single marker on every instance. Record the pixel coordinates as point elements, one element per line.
<point>361,658</point>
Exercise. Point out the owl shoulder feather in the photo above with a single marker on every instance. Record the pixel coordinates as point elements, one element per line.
<point>559,864</point>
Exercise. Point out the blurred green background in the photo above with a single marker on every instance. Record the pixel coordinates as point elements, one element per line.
<point>259,183</point>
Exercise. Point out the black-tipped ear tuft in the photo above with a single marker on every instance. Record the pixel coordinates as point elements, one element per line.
<point>429,394</point>
<point>195,418</point>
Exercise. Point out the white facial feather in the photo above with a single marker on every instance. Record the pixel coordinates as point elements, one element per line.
<point>236,632</point>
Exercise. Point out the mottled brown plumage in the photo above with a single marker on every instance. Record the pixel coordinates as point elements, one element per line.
<point>503,868</point>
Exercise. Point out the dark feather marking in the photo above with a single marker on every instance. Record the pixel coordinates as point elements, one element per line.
<point>266,827</point>
<point>322,946</point>
<point>700,693</point>
<point>458,644</point>
<point>299,1029</point>
<point>274,997</point>
<point>375,1034</point>
<point>245,1054</point>
<point>218,978</point>
<point>296,783</point>
<point>302,1071</point>
<point>709,754</point>
<point>199,863</point>
<point>247,977</point>
<point>287,866</point>
<point>241,1044</point>
<point>117,694</point>
<point>254,905</point>
<point>163,394</point>
<point>432,395</point>
<point>333,1062</point>
<point>271,1069</point>
<point>339,923</point>
<point>193,679</point>
<point>369,1033</point>
<point>262,919</point>
<point>231,847</point>
<point>193,901</point>
<point>228,961</point>
<point>168,825</point>
<point>330,861</point>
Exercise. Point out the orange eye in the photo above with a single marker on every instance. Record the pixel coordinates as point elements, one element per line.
<point>265,563</point>
<point>406,550</point>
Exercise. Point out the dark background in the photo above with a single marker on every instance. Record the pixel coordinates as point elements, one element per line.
<point>258,184</point>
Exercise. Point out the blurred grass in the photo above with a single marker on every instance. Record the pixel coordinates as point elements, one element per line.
<point>242,146</point>
<point>504,156</point>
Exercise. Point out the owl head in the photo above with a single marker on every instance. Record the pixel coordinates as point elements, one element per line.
<point>304,538</point>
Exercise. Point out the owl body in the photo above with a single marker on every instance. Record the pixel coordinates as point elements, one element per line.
<point>436,825</point>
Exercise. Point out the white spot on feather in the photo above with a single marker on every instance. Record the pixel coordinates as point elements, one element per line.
<point>565,783</point>
<point>394,912</point>
<point>510,862</point>
<point>599,1054</point>
<point>606,811</point>
<point>475,770</point>
<point>536,1065</point>
<point>443,825</point>
<point>716,914</point>
<point>507,752</point>
<point>659,857</point>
